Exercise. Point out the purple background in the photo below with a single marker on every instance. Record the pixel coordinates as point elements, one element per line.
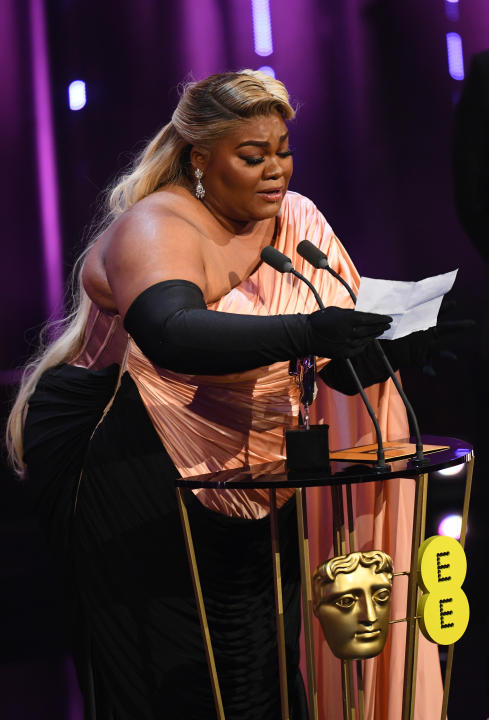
<point>373,150</point>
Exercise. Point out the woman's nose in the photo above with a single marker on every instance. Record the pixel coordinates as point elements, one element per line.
<point>272,168</point>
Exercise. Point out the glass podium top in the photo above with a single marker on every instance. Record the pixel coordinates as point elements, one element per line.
<point>339,472</point>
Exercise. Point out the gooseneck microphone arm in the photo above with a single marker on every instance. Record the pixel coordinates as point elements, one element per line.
<point>283,264</point>
<point>319,260</point>
<point>280,262</point>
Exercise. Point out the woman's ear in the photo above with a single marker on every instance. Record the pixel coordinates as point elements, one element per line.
<point>199,158</point>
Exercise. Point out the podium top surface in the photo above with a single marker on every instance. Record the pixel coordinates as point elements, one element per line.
<point>276,475</point>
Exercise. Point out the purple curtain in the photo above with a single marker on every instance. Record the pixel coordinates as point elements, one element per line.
<point>373,141</point>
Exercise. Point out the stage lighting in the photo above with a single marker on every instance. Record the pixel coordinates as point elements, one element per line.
<point>454,470</point>
<point>262,27</point>
<point>452,10</point>
<point>267,70</point>
<point>450,525</point>
<point>455,56</point>
<point>77,95</point>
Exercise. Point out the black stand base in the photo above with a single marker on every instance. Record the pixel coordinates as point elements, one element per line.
<point>307,449</point>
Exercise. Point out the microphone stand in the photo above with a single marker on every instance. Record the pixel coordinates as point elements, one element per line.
<point>283,264</point>
<point>323,264</point>
<point>381,464</point>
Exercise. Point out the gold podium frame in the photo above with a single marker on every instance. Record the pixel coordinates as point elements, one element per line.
<point>353,703</point>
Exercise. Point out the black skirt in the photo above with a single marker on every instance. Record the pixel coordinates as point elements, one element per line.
<point>137,643</point>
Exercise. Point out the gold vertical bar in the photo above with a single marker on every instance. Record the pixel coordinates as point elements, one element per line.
<point>336,525</point>
<point>303,533</point>
<point>348,705</point>
<point>463,533</point>
<point>279,607</point>
<point>412,630</point>
<point>339,544</point>
<point>337,551</point>
<point>355,664</point>
<point>446,683</point>
<point>351,520</point>
<point>361,700</point>
<point>351,689</point>
<point>200,605</point>
<point>468,489</point>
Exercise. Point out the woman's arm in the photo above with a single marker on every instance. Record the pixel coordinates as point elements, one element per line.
<point>156,272</point>
<point>148,246</point>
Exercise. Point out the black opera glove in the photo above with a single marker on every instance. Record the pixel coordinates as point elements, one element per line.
<point>419,349</point>
<point>169,321</point>
<point>424,348</point>
<point>346,333</point>
<point>368,365</point>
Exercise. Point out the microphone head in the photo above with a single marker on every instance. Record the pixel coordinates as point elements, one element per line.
<point>313,254</point>
<point>276,259</point>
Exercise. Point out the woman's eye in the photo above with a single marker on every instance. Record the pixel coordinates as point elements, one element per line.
<point>286,153</point>
<point>253,160</point>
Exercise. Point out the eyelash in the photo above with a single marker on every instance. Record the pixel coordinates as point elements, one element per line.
<point>257,161</point>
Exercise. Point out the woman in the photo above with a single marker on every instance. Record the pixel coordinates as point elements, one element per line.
<point>176,363</point>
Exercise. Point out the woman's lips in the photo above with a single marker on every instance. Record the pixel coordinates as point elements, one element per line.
<point>271,195</point>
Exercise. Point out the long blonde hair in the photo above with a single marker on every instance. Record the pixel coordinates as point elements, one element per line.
<point>207,110</point>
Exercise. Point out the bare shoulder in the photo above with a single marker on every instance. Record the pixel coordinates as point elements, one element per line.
<point>154,224</point>
<point>157,239</point>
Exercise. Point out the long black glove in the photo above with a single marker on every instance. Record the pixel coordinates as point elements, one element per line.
<point>419,349</point>
<point>425,348</point>
<point>170,323</point>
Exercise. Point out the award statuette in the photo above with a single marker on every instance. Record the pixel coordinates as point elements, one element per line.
<point>351,599</point>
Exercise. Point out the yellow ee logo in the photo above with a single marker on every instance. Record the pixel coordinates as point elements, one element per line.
<point>443,609</point>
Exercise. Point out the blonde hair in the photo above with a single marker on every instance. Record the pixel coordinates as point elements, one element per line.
<point>207,110</point>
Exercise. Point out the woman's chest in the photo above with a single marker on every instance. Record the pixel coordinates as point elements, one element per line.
<point>229,264</point>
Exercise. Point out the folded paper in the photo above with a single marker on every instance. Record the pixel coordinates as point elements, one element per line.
<point>413,306</point>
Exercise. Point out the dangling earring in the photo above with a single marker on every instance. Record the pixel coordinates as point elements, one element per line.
<point>199,188</point>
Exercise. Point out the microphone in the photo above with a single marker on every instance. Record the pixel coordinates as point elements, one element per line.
<point>313,254</point>
<point>319,260</point>
<point>303,369</point>
<point>273,257</point>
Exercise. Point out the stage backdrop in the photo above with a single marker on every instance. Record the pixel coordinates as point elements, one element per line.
<point>373,131</point>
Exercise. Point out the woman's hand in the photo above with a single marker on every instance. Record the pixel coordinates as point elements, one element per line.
<point>425,348</point>
<point>340,333</point>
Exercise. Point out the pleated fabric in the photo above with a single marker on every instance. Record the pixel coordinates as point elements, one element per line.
<point>210,423</point>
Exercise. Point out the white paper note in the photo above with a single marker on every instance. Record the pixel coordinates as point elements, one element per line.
<point>412,305</point>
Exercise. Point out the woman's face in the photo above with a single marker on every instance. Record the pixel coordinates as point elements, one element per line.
<point>247,172</point>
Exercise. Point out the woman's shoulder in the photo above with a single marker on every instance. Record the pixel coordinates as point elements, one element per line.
<point>302,209</point>
<point>295,199</point>
<point>155,238</point>
<point>162,209</point>
<point>300,203</point>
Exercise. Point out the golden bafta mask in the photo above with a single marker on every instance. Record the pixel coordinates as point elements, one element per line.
<point>352,597</point>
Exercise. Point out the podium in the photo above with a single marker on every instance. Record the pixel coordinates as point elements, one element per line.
<point>345,469</point>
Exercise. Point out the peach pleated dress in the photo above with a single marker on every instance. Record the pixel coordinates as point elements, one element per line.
<point>209,423</point>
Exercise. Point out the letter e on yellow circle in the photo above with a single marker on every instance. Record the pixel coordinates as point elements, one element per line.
<point>443,608</point>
